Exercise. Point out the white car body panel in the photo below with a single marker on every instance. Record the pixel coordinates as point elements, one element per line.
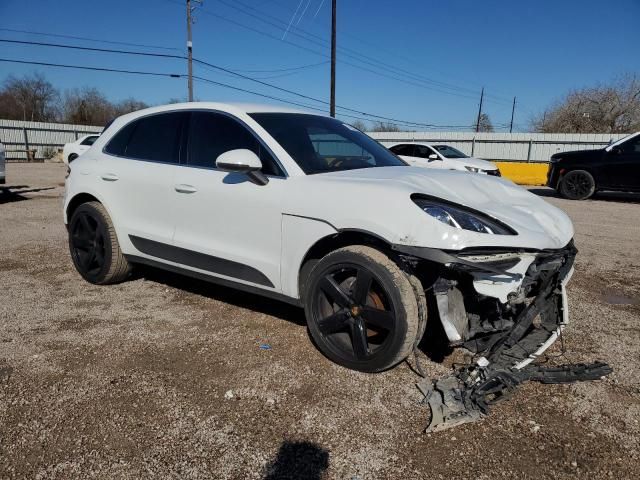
<point>76,147</point>
<point>271,227</point>
<point>443,162</point>
<point>450,163</point>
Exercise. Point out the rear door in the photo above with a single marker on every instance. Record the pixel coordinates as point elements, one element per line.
<point>227,225</point>
<point>406,151</point>
<point>136,176</point>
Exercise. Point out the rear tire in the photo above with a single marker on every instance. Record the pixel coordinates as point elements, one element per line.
<point>577,185</point>
<point>361,309</point>
<point>94,246</point>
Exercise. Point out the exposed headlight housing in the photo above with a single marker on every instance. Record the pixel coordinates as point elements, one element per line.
<point>458,216</point>
<point>472,169</point>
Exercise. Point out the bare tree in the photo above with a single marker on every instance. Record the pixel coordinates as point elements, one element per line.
<point>128,105</point>
<point>86,106</point>
<point>613,108</point>
<point>385,127</point>
<point>359,124</point>
<point>29,98</point>
<point>484,125</point>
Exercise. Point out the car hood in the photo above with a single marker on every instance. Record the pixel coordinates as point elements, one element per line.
<point>378,200</point>
<point>580,155</point>
<point>474,162</point>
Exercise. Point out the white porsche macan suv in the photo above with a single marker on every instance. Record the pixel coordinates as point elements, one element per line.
<point>307,209</point>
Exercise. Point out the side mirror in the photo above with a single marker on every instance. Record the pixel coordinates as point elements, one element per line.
<point>433,156</point>
<point>242,160</point>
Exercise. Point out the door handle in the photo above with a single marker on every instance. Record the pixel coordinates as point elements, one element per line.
<point>184,188</point>
<point>109,177</point>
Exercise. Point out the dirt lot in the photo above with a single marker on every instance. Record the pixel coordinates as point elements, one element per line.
<point>163,376</point>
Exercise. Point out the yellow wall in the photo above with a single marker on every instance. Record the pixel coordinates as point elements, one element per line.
<point>524,173</point>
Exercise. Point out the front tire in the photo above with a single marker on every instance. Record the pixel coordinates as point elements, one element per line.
<point>94,246</point>
<point>577,185</point>
<point>361,309</point>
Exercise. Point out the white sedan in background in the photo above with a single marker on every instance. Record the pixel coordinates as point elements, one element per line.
<point>442,156</point>
<point>73,150</point>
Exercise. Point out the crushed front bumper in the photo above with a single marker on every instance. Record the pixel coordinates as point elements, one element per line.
<point>507,308</point>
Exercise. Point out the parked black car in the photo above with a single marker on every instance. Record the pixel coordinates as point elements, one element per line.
<point>578,175</point>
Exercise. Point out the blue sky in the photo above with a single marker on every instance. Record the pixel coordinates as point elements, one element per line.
<point>440,52</point>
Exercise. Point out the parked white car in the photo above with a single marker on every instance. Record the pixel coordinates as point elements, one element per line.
<point>3,175</point>
<point>73,150</point>
<point>309,210</point>
<point>445,157</point>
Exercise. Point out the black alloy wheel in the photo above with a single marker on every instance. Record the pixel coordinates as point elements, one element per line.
<point>358,314</point>
<point>577,185</point>
<point>94,246</point>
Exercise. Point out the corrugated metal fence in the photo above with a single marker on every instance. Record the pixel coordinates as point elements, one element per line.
<point>18,137</point>
<point>528,147</point>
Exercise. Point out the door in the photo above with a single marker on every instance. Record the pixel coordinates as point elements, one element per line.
<point>622,165</point>
<point>136,176</point>
<point>424,152</point>
<point>406,151</point>
<point>227,225</point>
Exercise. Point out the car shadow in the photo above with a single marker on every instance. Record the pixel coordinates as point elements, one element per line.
<point>622,197</point>
<point>15,193</point>
<point>298,460</point>
<point>224,294</point>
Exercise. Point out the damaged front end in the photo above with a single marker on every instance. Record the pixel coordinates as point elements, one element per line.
<point>506,308</point>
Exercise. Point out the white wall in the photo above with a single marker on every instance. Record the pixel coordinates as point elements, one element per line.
<point>39,135</point>
<point>533,147</point>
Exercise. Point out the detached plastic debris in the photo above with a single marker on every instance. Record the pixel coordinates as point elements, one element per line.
<point>265,346</point>
<point>468,395</point>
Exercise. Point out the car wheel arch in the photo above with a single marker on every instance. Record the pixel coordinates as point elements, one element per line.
<point>330,243</point>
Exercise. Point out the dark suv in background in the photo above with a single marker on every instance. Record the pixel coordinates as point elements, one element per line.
<point>578,175</point>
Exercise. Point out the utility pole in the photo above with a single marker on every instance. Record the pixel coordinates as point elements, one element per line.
<point>480,110</point>
<point>190,47</point>
<point>513,109</point>
<point>332,108</point>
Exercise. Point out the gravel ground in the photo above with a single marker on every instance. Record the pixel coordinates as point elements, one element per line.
<point>163,376</point>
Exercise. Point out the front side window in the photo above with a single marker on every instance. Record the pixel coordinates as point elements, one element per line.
<point>155,138</point>
<point>212,134</point>
<point>320,144</point>
<point>423,152</point>
<point>404,149</point>
<point>449,152</point>
<point>89,140</point>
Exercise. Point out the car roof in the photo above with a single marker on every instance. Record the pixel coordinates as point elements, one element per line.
<point>232,107</point>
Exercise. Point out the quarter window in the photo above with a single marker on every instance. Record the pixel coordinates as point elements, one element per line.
<point>89,140</point>
<point>155,138</point>
<point>212,134</point>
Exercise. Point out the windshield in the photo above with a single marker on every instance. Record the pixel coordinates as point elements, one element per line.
<point>321,144</point>
<point>449,152</point>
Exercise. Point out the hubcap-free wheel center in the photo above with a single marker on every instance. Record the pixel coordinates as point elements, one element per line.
<point>353,312</point>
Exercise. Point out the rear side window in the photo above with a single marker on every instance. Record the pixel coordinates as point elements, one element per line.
<point>155,138</point>
<point>212,134</point>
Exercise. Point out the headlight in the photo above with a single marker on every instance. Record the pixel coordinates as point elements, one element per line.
<point>555,159</point>
<point>472,169</point>
<point>457,216</point>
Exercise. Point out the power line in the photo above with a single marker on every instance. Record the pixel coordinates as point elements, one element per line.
<point>101,69</point>
<point>73,37</point>
<point>315,39</point>
<point>228,71</point>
